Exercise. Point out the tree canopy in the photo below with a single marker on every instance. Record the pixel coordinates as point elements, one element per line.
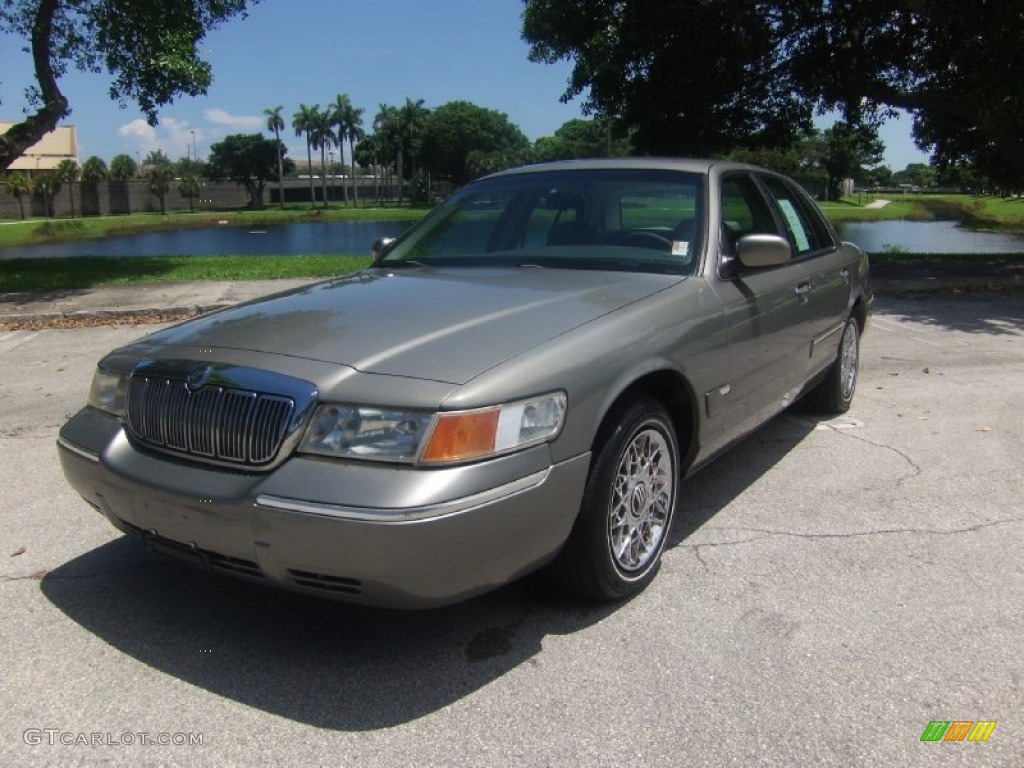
<point>461,140</point>
<point>247,159</point>
<point>708,76</point>
<point>149,47</point>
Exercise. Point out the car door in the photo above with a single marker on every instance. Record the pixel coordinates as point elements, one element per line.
<point>763,309</point>
<point>825,284</point>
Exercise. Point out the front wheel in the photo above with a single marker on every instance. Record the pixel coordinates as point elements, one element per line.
<point>615,546</point>
<point>835,393</point>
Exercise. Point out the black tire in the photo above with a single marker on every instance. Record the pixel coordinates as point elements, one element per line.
<point>835,392</point>
<point>615,546</point>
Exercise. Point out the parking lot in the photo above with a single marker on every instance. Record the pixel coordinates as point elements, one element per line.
<point>830,588</point>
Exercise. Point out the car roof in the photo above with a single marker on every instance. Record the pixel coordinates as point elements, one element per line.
<point>692,165</point>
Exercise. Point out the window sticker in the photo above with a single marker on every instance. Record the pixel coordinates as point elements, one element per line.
<point>797,226</point>
<point>680,248</point>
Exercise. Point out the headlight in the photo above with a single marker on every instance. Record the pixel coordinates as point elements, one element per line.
<point>428,438</point>
<point>108,391</point>
<point>365,433</point>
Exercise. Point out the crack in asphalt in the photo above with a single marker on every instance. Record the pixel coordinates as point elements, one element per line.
<point>767,532</point>
<point>917,471</point>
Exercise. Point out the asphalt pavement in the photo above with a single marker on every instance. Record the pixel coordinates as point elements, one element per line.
<point>830,588</point>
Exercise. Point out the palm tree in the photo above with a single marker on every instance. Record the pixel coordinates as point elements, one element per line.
<point>388,136</point>
<point>275,123</point>
<point>123,168</point>
<point>339,108</point>
<point>159,177</point>
<point>349,120</point>
<point>188,187</point>
<point>94,170</point>
<point>19,185</point>
<point>323,137</point>
<point>68,170</point>
<point>304,122</point>
<point>410,118</point>
<point>47,185</point>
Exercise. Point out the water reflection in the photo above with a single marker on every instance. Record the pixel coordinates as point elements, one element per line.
<point>356,237</point>
<point>927,237</point>
<point>334,237</point>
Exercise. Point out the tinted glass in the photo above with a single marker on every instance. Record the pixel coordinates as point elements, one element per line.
<point>744,211</point>
<point>588,219</point>
<point>803,225</point>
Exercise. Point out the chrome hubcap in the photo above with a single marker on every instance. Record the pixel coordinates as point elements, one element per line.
<point>848,361</point>
<point>642,498</point>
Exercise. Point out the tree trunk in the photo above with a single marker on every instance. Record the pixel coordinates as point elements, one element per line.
<point>352,173</point>
<point>401,178</point>
<point>323,171</point>
<point>280,172</point>
<point>309,166</point>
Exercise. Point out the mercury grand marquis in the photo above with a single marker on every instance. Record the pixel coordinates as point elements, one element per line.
<point>521,381</point>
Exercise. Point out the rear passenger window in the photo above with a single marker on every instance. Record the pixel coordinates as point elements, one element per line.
<point>803,225</point>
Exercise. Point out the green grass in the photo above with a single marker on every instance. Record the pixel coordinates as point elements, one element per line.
<point>56,230</point>
<point>90,271</point>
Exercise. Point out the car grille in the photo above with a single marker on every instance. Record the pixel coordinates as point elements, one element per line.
<point>213,423</point>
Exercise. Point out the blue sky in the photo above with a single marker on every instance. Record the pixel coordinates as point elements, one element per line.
<point>289,52</point>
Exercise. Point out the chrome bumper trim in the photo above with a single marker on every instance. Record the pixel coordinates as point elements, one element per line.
<point>403,514</point>
<point>78,451</point>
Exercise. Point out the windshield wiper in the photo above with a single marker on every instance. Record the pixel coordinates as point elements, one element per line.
<point>400,264</point>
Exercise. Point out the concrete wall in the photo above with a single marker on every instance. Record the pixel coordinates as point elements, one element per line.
<point>113,197</point>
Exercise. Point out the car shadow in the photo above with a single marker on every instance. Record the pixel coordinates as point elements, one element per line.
<point>340,666</point>
<point>714,487</point>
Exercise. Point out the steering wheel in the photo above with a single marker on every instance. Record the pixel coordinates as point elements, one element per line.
<point>644,239</point>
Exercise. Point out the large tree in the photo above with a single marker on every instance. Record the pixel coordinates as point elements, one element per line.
<point>149,47</point>
<point>461,140</point>
<point>707,76</point>
<point>246,159</point>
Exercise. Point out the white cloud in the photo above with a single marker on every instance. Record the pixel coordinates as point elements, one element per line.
<point>234,122</point>
<point>141,133</point>
<point>172,136</point>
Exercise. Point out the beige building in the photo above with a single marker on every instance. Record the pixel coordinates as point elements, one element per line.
<point>60,144</point>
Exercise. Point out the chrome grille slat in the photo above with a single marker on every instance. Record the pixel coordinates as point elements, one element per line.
<point>214,423</point>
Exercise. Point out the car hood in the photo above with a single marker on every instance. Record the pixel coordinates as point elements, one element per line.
<point>445,325</point>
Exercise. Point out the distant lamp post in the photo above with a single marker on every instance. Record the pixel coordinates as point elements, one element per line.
<point>195,152</point>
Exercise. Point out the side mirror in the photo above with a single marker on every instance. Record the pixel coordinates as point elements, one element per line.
<point>381,246</point>
<point>763,251</point>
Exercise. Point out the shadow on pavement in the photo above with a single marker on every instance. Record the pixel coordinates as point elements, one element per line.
<point>989,313</point>
<point>338,666</point>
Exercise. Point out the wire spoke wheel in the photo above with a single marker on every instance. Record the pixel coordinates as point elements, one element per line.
<point>641,500</point>
<point>848,360</point>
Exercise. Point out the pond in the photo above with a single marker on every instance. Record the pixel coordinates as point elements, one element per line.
<point>341,237</point>
<point>356,237</point>
<point>927,237</point>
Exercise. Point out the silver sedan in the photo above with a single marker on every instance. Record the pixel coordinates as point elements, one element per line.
<point>521,381</point>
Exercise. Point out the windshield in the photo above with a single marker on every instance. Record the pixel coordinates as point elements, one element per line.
<point>618,219</point>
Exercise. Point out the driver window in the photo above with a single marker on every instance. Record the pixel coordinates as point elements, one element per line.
<point>744,212</point>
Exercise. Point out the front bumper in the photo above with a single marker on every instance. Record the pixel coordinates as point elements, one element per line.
<point>367,533</point>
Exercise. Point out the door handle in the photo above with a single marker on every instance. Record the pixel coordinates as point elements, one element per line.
<point>845,274</point>
<point>803,292</point>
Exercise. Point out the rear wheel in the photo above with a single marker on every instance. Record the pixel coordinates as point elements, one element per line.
<point>835,393</point>
<point>616,543</point>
